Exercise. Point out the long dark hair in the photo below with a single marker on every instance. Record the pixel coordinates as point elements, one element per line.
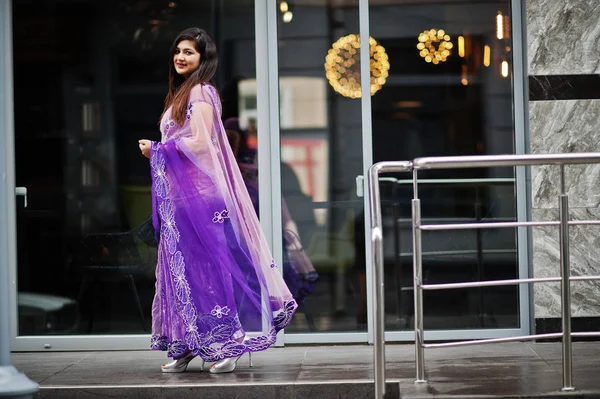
<point>180,87</point>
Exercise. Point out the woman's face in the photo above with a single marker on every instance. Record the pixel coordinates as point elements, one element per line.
<point>186,58</point>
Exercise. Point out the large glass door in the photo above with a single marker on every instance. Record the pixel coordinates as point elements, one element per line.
<point>321,156</point>
<point>446,78</point>
<point>89,80</point>
<point>451,90</point>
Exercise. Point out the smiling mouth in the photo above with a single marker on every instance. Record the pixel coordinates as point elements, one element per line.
<point>180,65</point>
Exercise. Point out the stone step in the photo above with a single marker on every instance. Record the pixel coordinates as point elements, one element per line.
<point>255,390</point>
<point>510,370</point>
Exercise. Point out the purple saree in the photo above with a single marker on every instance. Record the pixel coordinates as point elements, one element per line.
<point>215,277</point>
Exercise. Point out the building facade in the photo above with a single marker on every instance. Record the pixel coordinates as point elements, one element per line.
<point>563,109</point>
<point>84,81</point>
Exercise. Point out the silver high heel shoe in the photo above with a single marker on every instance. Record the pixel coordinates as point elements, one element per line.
<point>228,365</point>
<point>180,365</point>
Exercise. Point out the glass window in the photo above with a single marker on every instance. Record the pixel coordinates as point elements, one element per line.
<point>449,92</point>
<point>90,79</point>
<point>321,156</point>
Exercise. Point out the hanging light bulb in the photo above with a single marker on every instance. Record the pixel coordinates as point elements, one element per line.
<point>461,46</point>
<point>499,25</point>
<point>504,69</point>
<point>506,27</point>
<point>283,7</point>
<point>287,16</point>
<point>486,55</point>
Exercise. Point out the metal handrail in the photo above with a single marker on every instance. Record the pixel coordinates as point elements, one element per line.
<point>377,259</point>
<point>483,161</point>
<point>470,180</point>
<point>419,287</point>
<point>495,225</point>
<point>461,252</point>
<point>494,283</point>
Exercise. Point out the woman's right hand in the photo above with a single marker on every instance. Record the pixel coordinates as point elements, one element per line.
<point>145,146</point>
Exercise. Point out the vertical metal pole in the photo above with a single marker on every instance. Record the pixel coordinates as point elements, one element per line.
<point>418,272</point>
<point>563,187</point>
<point>268,152</point>
<point>12,383</point>
<point>379,300</point>
<point>479,243</point>
<point>4,259</point>
<point>523,184</point>
<point>367,130</point>
<point>565,291</point>
<point>397,260</point>
<point>5,130</point>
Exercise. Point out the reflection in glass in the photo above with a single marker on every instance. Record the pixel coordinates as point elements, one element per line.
<point>85,263</point>
<point>321,155</point>
<point>83,266</point>
<point>447,95</point>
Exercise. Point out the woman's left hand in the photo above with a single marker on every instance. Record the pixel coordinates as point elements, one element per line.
<point>145,146</point>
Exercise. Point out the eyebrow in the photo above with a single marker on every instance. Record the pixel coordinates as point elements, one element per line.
<point>186,48</point>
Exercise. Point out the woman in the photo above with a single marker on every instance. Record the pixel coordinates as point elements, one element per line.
<point>215,278</point>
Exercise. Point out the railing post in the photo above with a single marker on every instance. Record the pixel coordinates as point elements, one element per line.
<point>417,227</point>
<point>565,292</point>
<point>378,278</point>
<point>417,282</point>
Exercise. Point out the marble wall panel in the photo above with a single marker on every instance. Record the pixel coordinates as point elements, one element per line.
<point>563,37</point>
<point>584,257</point>
<point>562,127</point>
<point>563,46</point>
<point>564,87</point>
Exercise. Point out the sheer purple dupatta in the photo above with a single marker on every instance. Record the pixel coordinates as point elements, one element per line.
<point>215,278</point>
<point>299,273</point>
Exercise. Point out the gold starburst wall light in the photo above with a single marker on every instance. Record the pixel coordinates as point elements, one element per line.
<point>342,66</point>
<point>434,45</point>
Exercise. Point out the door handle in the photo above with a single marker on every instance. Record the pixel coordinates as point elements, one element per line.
<point>360,186</point>
<point>22,191</point>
